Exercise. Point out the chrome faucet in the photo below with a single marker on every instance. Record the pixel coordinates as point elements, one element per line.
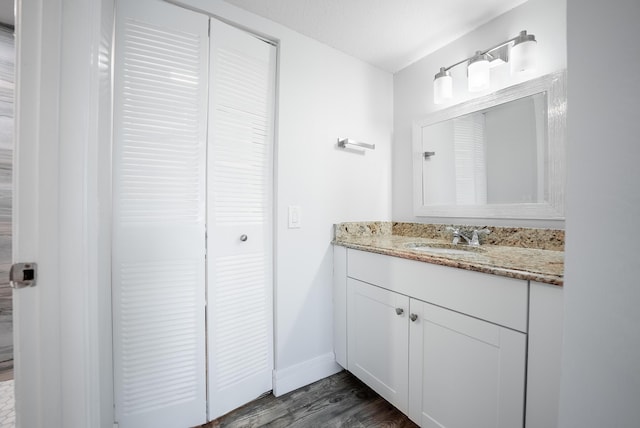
<point>457,234</point>
<point>474,241</point>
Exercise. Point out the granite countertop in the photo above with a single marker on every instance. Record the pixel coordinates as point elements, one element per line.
<point>538,254</point>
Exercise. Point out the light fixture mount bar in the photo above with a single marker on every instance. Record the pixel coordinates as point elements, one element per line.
<point>488,51</point>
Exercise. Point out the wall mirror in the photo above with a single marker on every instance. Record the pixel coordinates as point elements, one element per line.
<point>502,155</point>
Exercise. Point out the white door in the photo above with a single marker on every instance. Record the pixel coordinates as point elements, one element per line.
<point>159,170</point>
<point>464,372</point>
<point>239,218</point>
<point>379,340</point>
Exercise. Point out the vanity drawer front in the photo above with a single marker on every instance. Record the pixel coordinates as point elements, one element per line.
<point>489,297</point>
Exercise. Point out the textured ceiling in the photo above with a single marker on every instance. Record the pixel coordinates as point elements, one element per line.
<point>389,34</point>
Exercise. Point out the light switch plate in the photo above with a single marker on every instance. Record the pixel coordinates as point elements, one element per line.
<point>294,217</point>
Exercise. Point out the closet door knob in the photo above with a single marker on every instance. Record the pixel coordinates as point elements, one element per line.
<point>413,317</point>
<point>243,238</point>
<point>399,311</point>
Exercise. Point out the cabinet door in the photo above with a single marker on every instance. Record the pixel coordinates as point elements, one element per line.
<point>379,340</point>
<point>464,372</point>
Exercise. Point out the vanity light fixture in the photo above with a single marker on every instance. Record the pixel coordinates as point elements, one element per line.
<point>519,51</point>
<point>442,86</point>
<point>523,53</point>
<point>478,72</point>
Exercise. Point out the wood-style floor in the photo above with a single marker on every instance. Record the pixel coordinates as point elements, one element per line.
<point>6,370</point>
<point>337,401</point>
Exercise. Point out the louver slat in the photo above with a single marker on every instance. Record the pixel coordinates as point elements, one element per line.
<point>240,202</point>
<point>240,153</point>
<point>159,161</point>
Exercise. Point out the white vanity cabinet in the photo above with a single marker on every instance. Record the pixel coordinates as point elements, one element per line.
<point>464,372</point>
<point>379,340</point>
<point>545,355</point>
<point>445,346</point>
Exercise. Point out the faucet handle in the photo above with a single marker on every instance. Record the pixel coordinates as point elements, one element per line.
<point>455,233</point>
<point>475,241</point>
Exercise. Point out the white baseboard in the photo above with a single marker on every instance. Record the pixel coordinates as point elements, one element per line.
<point>302,374</point>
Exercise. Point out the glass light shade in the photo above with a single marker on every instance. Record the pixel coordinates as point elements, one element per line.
<point>478,73</point>
<point>523,57</point>
<point>442,87</point>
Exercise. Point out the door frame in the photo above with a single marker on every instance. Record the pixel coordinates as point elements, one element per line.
<point>62,209</point>
<point>62,326</point>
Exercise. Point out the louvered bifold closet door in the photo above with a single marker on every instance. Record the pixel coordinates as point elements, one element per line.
<point>159,176</point>
<point>239,264</point>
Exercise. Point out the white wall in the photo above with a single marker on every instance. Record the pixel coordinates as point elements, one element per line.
<point>413,89</point>
<point>601,361</point>
<point>323,94</point>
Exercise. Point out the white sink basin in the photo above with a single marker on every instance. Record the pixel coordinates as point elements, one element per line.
<point>444,249</point>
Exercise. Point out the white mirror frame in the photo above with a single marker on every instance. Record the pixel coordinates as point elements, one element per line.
<point>553,208</point>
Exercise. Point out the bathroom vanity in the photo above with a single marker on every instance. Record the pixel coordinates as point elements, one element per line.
<point>452,336</point>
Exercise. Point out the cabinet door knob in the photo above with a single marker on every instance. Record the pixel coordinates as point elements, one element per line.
<point>243,238</point>
<point>413,317</point>
<point>399,311</point>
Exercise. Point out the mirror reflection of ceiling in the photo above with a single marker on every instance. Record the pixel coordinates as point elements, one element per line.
<point>389,34</point>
